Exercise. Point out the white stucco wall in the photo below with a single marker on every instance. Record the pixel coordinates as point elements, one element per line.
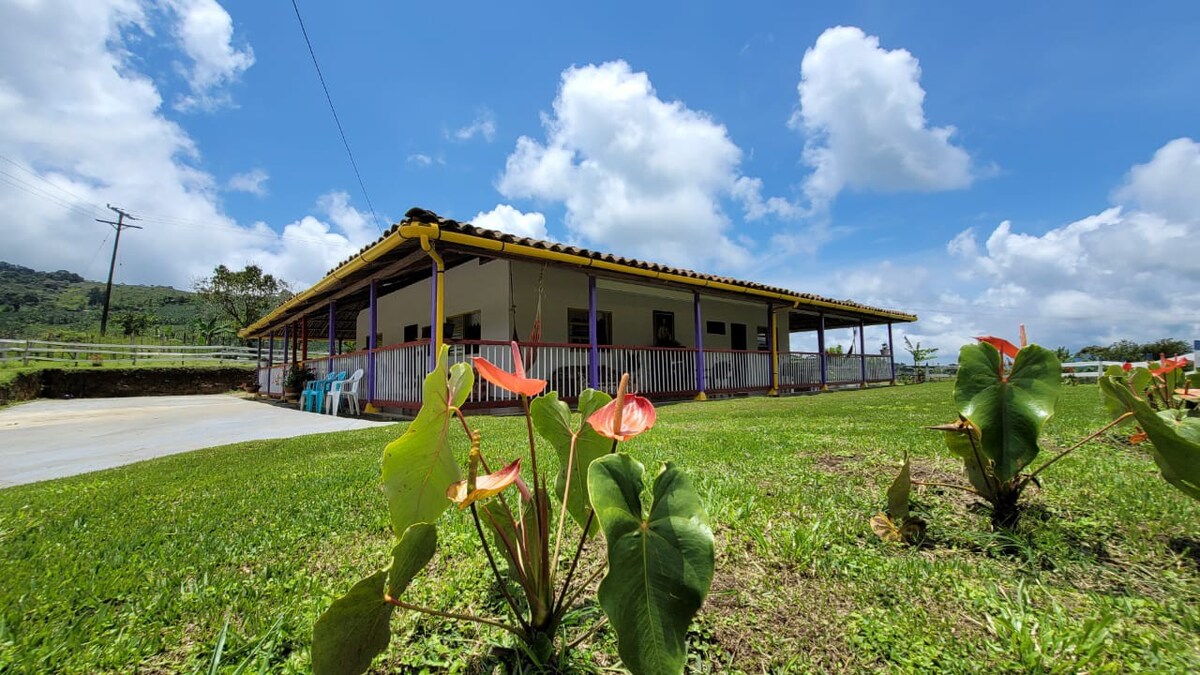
<point>485,288</point>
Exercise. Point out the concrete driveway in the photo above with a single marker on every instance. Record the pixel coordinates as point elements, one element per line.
<point>51,439</point>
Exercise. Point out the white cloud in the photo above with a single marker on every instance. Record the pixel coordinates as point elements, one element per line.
<point>862,111</point>
<point>76,77</point>
<point>422,160</point>
<point>252,181</point>
<point>483,125</point>
<point>637,175</point>
<point>1166,185</point>
<point>1125,272</point>
<point>508,219</point>
<point>205,32</point>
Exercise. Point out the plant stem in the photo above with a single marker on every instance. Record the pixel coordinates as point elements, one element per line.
<point>590,632</point>
<point>947,485</point>
<point>574,561</point>
<point>496,570</point>
<point>983,469</point>
<point>451,615</point>
<point>1064,453</point>
<point>532,444</point>
<point>562,511</point>
<point>581,588</point>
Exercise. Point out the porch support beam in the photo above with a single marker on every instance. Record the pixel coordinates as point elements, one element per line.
<point>295,343</point>
<point>700,383</point>
<point>773,342</point>
<point>892,352</point>
<point>286,335</point>
<point>862,354</point>
<point>436,306</point>
<point>304,342</point>
<point>270,360</point>
<point>821,349</point>
<point>332,331</point>
<point>593,336</point>
<point>373,310</point>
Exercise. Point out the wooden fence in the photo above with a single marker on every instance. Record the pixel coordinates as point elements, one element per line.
<point>33,352</point>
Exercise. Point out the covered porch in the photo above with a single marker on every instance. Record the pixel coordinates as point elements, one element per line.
<point>679,334</point>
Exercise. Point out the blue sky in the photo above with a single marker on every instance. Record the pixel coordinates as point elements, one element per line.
<point>671,131</point>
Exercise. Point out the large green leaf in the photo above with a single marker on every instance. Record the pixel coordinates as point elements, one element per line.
<point>960,444</point>
<point>897,494</point>
<point>1174,439</point>
<point>659,567</point>
<point>418,466</point>
<point>354,630</point>
<point>410,556</point>
<point>552,418</point>
<point>1008,411</point>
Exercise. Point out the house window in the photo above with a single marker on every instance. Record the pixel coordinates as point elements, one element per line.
<point>664,329</point>
<point>464,326</point>
<point>577,327</point>
<point>762,338</point>
<point>715,327</point>
<point>411,331</point>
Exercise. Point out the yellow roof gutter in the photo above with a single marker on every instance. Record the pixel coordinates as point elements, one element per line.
<point>432,231</point>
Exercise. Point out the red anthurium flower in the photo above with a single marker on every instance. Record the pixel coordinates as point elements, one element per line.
<point>1170,364</point>
<point>625,416</point>
<point>1006,348</point>
<point>1127,367</point>
<point>485,486</point>
<point>516,382</point>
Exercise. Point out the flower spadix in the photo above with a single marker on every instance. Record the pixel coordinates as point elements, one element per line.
<point>515,382</point>
<point>625,416</point>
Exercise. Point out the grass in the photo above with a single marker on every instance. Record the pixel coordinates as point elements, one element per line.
<point>226,556</point>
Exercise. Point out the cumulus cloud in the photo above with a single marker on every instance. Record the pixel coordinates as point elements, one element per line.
<point>483,125</point>
<point>76,77</point>
<point>508,219</point>
<point>1128,271</point>
<point>205,33</point>
<point>862,112</point>
<point>252,182</point>
<point>637,175</point>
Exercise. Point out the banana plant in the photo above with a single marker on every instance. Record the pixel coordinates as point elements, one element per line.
<point>659,555</point>
<point>1163,403</point>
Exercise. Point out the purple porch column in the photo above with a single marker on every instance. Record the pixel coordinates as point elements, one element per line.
<point>332,332</point>
<point>892,352</point>
<point>821,349</point>
<point>700,383</point>
<point>433,293</point>
<point>286,333</point>
<point>862,353</point>
<point>295,344</point>
<point>270,359</point>
<point>593,337</point>
<point>374,311</point>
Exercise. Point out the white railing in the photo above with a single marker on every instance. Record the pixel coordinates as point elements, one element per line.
<point>736,371</point>
<point>1093,369</point>
<point>652,370</point>
<point>25,352</point>
<point>399,373</point>
<point>842,369</point>
<point>879,368</point>
<point>799,369</point>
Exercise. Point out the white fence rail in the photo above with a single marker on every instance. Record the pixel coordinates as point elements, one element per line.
<point>25,352</point>
<point>1090,370</point>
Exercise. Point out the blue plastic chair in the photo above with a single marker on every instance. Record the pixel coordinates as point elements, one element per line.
<point>314,399</point>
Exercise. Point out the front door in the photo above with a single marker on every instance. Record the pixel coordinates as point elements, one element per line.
<point>737,336</point>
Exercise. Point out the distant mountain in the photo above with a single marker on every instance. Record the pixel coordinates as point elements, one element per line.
<point>64,306</point>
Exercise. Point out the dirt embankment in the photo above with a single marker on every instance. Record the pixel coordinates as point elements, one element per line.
<point>111,382</point>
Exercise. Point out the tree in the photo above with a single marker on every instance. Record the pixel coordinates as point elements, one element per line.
<point>134,323</point>
<point>209,328</point>
<point>919,354</point>
<point>1063,354</point>
<point>243,296</point>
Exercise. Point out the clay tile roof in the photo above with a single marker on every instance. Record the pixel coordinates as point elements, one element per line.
<point>418,215</point>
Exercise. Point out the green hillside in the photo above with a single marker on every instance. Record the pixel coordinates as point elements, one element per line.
<point>64,306</point>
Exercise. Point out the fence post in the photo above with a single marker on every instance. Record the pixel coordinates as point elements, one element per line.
<point>133,349</point>
<point>25,354</point>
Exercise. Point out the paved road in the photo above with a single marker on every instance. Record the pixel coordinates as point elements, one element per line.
<point>51,439</point>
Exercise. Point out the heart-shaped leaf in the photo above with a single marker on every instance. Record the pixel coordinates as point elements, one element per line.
<point>660,566</point>
<point>897,494</point>
<point>552,418</point>
<point>1174,439</point>
<point>354,630</point>
<point>1009,411</point>
<point>418,466</point>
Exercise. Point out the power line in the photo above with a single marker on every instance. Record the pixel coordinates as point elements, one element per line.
<point>42,178</point>
<point>119,225</point>
<point>337,121</point>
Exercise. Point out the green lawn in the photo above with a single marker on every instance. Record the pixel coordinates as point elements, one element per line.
<point>140,568</point>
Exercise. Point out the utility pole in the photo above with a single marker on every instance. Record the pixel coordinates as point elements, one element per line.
<point>118,226</point>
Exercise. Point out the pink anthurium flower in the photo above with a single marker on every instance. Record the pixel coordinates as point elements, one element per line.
<point>485,486</point>
<point>625,416</point>
<point>1170,364</point>
<point>516,382</point>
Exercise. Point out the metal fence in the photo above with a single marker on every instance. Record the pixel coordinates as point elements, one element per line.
<point>27,352</point>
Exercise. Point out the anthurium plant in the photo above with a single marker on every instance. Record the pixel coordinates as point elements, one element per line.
<point>659,555</point>
<point>1162,401</point>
